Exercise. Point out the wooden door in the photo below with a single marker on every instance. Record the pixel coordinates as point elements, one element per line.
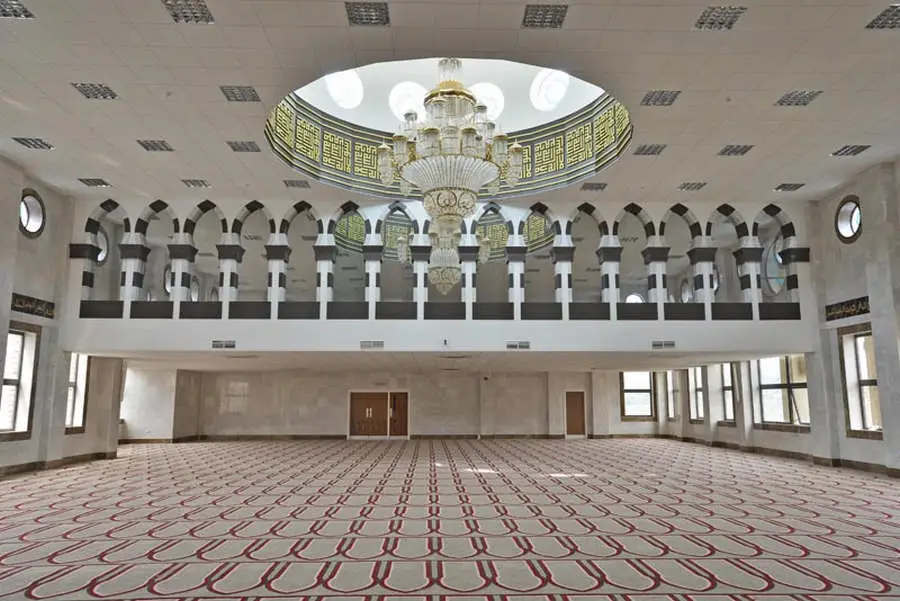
<point>368,413</point>
<point>399,414</point>
<point>575,413</point>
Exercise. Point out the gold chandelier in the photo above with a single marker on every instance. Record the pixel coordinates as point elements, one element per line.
<point>454,153</point>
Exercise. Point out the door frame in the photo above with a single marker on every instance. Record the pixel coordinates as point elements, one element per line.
<point>584,404</point>
<point>386,391</point>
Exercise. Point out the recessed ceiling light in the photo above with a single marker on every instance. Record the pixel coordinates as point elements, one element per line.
<point>296,183</point>
<point>649,149</point>
<point>787,187</point>
<point>735,150</point>
<point>491,96</point>
<point>851,150</point>
<point>189,11</point>
<point>345,88</point>
<point>660,97</point>
<point>798,98</point>
<point>95,91</point>
<point>13,9</point>
<point>719,17</point>
<point>34,143</point>
<point>240,93</point>
<point>94,182</point>
<point>244,146</point>
<point>544,16</point>
<point>593,186</point>
<point>691,186</point>
<point>195,183</point>
<point>548,89</point>
<point>368,13</point>
<point>889,18</point>
<point>155,145</point>
<point>407,96</point>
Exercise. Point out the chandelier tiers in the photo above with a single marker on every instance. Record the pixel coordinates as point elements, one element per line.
<point>450,156</point>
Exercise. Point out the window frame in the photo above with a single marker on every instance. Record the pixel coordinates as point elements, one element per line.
<point>856,332</point>
<point>728,393</point>
<point>33,330</point>
<point>696,413</point>
<point>70,427</point>
<point>672,380</point>
<point>651,392</point>
<point>789,386</point>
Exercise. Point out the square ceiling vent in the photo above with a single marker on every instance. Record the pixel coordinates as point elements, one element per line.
<point>798,98</point>
<point>692,186</point>
<point>195,183</point>
<point>649,149</point>
<point>889,18</point>
<point>296,183</point>
<point>189,11</point>
<point>717,18</point>
<point>735,150</point>
<point>850,150</point>
<point>244,146</point>
<point>593,187</point>
<point>788,187</point>
<point>240,93</point>
<point>544,16</point>
<point>94,182</point>
<point>372,14</point>
<point>95,91</point>
<point>13,9</point>
<point>34,143</point>
<point>155,145</point>
<point>660,97</point>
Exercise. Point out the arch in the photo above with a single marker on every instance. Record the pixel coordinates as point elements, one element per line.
<point>687,215</point>
<point>107,207</point>
<point>199,211</point>
<point>399,207</point>
<point>732,216</point>
<point>493,207</point>
<point>642,215</point>
<point>590,210</point>
<point>788,231</point>
<point>152,211</point>
<point>296,209</point>
<point>247,210</point>
<point>348,207</point>
<point>109,274</point>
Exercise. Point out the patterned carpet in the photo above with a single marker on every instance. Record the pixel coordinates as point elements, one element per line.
<point>561,520</point>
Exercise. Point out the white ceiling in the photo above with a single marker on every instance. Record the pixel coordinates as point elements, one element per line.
<point>513,79</point>
<point>167,76</point>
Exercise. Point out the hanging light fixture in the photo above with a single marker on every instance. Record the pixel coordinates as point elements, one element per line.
<point>449,157</point>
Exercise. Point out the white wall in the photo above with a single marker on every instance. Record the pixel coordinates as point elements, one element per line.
<point>148,403</point>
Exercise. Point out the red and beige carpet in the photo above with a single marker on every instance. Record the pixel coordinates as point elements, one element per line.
<point>467,520</point>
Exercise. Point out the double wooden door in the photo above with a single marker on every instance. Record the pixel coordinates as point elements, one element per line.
<point>575,414</point>
<point>379,413</point>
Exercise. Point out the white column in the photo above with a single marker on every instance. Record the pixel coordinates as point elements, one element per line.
<point>749,265</point>
<point>703,261</point>
<point>468,260</point>
<point>562,274</point>
<point>10,192</point>
<point>325,252</point>
<point>134,255</point>
<point>610,256</point>
<point>278,253</point>
<point>372,252</point>
<point>181,258</point>
<point>515,265</point>
<point>655,258</point>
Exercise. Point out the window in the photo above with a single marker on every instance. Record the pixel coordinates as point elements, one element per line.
<point>728,392</point>
<point>103,245</point>
<point>31,214</point>
<point>637,395</point>
<point>634,297</point>
<point>19,367</point>
<point>848,220</point>
<point>782,389</point>
<point>774,272</point>
<point>672,394</point>
<point>860,379</point>
<point>695,384</point>
<point>75,402</point>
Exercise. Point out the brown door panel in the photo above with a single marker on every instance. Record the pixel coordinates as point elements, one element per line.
<point>575,413</point>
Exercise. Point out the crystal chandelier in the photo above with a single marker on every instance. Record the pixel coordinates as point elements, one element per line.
<point>450,157</point>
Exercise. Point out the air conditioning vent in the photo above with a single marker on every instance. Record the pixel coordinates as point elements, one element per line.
<point>223,344</point>
<point>518,345</point>
<point>371,344</point>
<point>662,344</point>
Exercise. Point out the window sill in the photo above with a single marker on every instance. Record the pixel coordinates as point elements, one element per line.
<point>866,434</point>
<point>697,422</point>
<point>78,430</point>
<point>11,436</point>
<point>726,423</point>
<point>794,428</point>
<point>638,418</point>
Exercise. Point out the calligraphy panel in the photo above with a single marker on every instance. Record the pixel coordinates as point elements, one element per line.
<point>283,126</point>
<point>579,144</point>
<point>548,155</point>
<point>308,137</point>
<point>336,152</point>
<point>365,160</point>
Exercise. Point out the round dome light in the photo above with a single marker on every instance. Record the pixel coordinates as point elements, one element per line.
<point>548,89</point>
<point>345,88</point>
<point>491,96</point>
<point>406,96</point>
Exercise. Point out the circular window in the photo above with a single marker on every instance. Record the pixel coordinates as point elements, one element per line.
<point>103,245</point>
<point>31,214</point>
<point>848,220</point>
<point>687,295</point>
<point>491,96</point>
<point>548,89</point>
<point>773,269</point>
<point>167,279</point>
<point>345,88</point>
<point>634,297</point>
<point>195,289</point>
<point>407,96</point>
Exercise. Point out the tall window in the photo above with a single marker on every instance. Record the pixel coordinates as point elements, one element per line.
<point>860,380</point>
<point>75,403</point>
<point>18,379</point>
<point>697,393</point>
<point>782,389</point>
<point>672,394</point>
<point>637,395</point>
<point>727,392</point>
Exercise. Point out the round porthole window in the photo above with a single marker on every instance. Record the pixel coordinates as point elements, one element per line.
<point>167,279</point>
<point>103,245</point>
<point>687,295</point>
<point>848,220</point>
<point>31,214</point>
<point>634,297</point>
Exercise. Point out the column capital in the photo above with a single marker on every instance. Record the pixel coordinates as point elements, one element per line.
<point>794,254</point>
<point>325,252</point>
<point>134,251</point>
<point>278,252</point>
<point>468,253</point>
<point>562,253</point>
<point>702,254</point>
<point>609,254</point>
<point>372,252</point>
<point>420,252</point>
<point>183,251</point>
<point>655,254</point>
<point>515,254</point>
<point>748,254</point>
<point>231,251</point>
<point>84,251</point>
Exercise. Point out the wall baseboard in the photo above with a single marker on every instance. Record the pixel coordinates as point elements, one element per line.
<point>36,466</point>
<point>265,437</point>
<point>443,437</point>
<point>145,440</point>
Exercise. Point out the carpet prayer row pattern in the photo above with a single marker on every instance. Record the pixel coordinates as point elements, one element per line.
<point>435,520</point>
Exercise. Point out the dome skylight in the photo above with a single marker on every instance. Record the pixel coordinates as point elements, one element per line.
<point>491,96</point>
<point>548,88</point>
<point>345,88</point>
<point>406,96</point>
